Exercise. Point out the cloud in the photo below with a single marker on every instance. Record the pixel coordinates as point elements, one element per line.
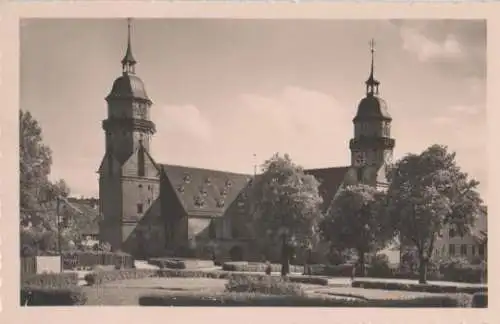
<point>427,49</point>
<point>309,125</point>
<point>443,120</point>
<point>466,110</point>
<point>185,121</point>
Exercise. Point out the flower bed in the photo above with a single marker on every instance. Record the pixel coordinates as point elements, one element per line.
<point>50,280</point>
<point>264,285</point>
<point>263,300</point>
<point>100,277</point>
<point>258,267</point>
<point>417,287</point>
<point>74,260</point>
<point>173,263</point>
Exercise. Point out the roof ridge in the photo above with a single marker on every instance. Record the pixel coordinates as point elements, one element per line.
<point>328,168</point>
<point>204,169</point>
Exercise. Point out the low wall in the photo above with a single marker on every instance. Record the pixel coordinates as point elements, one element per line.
<point>49,264</point>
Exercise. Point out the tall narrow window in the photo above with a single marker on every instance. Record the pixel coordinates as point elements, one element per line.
<point>139,208</point>
<point>473,250</point>
<point>451,250</point>
<point>140,166</point>
<point>463,249</point>
<point>481,250</point>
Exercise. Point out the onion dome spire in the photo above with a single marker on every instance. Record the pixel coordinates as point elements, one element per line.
<point>372,84</point>
<point>128,62</point>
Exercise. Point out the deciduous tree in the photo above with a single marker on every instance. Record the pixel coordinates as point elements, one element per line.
<point>427,193</point>
<point>285,204</point>
<point>38,207</point>
<point>357,220</point>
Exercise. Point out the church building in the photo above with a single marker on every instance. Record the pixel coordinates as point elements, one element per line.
<point>153,209</point>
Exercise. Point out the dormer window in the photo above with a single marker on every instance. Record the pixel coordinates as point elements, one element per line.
<point>220,203</point>
<point>199,201</point>
<point>208,181</point>
<point>204,192</point>
<point>180,189</point>
<point>228,183</point>
<point>223,192</point>
<point>186,178</point>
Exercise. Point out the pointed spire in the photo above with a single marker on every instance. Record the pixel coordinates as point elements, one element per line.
<point>128,61</point>
<point>372,84</point>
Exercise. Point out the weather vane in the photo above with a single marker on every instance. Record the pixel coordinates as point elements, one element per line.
<point>372,45</point>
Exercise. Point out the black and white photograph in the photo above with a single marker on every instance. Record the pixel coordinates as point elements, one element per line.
<point>253,162</point>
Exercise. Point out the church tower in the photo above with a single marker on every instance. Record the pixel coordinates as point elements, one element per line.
<point>372,146</point>
<point>128,176</point>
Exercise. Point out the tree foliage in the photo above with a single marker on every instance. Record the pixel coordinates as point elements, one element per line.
<point>427,193</point>
<point>285,204</point>
<point>357,220</point>
<point>38,206</point>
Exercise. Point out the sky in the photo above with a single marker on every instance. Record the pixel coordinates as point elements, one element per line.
<point>224,90</point>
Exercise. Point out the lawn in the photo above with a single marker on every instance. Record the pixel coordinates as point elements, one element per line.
<point>127,292</point>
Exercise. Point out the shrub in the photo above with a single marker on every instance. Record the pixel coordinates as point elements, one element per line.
<point>379,267</point>
<point>50,280</point>
<point>480,300</point>
<point>264,285</point>
<point>38,296</point>
<point>87,259</point>
<point>244,266</point>
<point>341,270</point>
<point>460,270</point>
<point>430,288</point>
<point>311,280</point>
<point>455,300</point>
<point>256,299</point>
<point>173,263</point>
<point>245,299</point>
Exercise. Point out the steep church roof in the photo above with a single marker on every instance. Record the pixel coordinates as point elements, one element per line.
<point>331,180</point>
<point>203,191</point>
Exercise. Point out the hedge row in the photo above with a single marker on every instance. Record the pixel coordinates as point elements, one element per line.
<point>480,300</point>
<point>464,273</point>
<point>470,274</point>
<point>263,300</point>
<point>258,267</point>
<point>430,288</point>
<point>172,263</point>
<point>88,259</point>
<point>107,276</point>
<point>50,280</point>
<point>38,296</point>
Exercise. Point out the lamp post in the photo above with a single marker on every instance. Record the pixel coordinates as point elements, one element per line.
<point>59,238</point>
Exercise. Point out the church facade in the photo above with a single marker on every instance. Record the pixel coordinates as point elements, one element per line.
<point>153,209</point>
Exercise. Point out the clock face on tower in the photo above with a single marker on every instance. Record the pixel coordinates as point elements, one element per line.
<point>359,158</point>
<point>140,111</point>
